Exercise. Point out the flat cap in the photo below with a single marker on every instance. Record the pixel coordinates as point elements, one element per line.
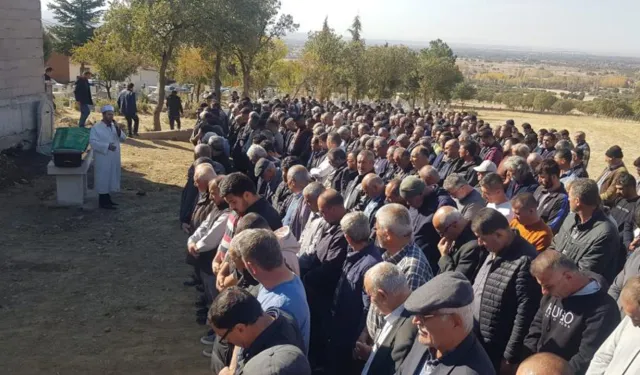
<point>411,186</point>
<point>279,360</point>
<point>445,291</point>
<point>261,166</point>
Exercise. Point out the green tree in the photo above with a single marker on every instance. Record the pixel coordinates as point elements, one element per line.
<point>193,66</point>
<point>388,68</point>
<point>322,59</point>
<point>108,61</point>
<point>563,106</point>
<point>261,75</point>
<point>155,30</point>
<point>439,72</point>
<point>544,101</point>
<point>354,71</point>
<point>76,23</point>
<point>262,28</point>
<point>464,91</point>
<point>288,76</point>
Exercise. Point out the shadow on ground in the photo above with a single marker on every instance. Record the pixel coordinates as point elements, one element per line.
<point>87,291</point>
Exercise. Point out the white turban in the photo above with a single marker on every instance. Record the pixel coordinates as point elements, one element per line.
<point>107,108</point>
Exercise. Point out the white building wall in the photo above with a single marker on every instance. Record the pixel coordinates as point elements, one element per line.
<point>21,71</point>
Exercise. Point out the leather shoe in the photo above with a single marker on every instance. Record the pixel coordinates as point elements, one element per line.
<point>190,282</point>
<point>108,206</point>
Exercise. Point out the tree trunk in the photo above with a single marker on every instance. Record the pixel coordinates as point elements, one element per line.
<point>216,75</point>
<point>246,79</point>
<point>162,78</point>
<point>347,89</point>
<point>107,85</point>
<point>197,101</point>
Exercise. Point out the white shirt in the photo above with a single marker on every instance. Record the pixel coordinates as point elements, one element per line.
<point>209,235</point>
<point>619,354</point>
<point>386,329</point>
<point>322,171</point>
<point>504,208</point>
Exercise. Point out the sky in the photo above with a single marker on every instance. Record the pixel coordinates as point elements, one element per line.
<point>597,26</point>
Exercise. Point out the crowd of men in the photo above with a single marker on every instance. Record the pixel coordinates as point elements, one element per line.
<point>362,239</point>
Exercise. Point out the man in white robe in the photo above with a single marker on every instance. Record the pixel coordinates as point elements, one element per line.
<point>105,139</point>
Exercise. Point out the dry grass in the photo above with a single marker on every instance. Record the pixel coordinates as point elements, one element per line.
<point>100,292</point>
<point>601,133</point>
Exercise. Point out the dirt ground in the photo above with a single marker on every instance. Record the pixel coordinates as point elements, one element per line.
<point>88,291</point>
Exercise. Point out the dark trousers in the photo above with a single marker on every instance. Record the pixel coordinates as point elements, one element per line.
<point>104,199</point>
<point>136,123</point>
<point>174,119</point>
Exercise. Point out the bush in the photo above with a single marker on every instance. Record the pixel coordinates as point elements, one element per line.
<point>563,106</point>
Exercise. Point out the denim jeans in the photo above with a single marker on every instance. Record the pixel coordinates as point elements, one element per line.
<point>84,114</point>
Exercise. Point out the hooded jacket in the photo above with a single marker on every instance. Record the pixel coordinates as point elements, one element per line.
<point>289,247</point>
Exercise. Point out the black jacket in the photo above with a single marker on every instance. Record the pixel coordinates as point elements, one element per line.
<point>448,167</point>
<point>346,177</point>
<point>623,211</point>
<point>82,92</point>
<point>466,256</point>
<point>573,327</point>
<point>281,199</point>
<point>349,307</point>
<point>189,195</point>
<point>595,245</point>
<point>424,233</point>
<point>174,105</point>
<point>469,358</point>
<point>466,169</point>
<point>282,331</point>
<point>580,171</point>
<point>529,185</point>
<point>394,349</point>
<point>321,270</point>
<point>508,303</point>
<point>264,209</point>
<point>353,194</point>
<point>553,206</point>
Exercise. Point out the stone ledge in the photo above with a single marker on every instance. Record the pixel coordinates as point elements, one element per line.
<point>182,135</point>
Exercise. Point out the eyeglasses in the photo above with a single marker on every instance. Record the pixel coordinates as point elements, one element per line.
<point>442,232</point>
<point>227,333</point>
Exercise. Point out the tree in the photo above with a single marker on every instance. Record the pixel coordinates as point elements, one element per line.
<point>193,66</point>
<point>261,75</point>
<point>354,70</point>
<point>76,22</point>
<point>544,101</point>
<point>262,27</point>
<point>288,76</point>
<point>156,30</point>
<point>322,59</point>
<point>387,68</point>
<point>438,71</point>
<point>107,59</point>
<point>563,106</point>
<point>464,91</point>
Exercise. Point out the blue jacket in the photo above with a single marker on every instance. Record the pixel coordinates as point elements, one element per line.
<point>350,302</point>
<point>127,103</point>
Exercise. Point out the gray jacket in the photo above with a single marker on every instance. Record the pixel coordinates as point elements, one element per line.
<point>631,269</point>
<point>595,245</point>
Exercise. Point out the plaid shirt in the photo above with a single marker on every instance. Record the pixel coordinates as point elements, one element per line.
<point>414,265</point>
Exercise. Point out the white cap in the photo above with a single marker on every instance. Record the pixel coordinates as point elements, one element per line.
<point>486,166</point>
<point>107,108</point>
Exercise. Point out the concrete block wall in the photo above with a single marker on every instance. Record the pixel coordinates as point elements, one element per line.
<point>21,71</point>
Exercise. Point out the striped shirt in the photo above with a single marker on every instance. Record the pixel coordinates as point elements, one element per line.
<point>232,221</point>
